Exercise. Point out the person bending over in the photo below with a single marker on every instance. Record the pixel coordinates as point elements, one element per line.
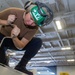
<point>21,25</point>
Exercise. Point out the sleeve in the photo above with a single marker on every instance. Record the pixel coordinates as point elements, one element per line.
<point>4,14</point>
<point>30,34</point>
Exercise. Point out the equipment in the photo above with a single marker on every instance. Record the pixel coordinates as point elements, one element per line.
<point>40,12</point>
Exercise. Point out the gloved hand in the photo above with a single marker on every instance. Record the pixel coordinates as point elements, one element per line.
<point>11,19</point>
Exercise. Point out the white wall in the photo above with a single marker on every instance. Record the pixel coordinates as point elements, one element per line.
<point>69,69</point>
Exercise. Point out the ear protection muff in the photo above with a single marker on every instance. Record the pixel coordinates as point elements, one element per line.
<point>40,16</point>
<point>49,16</point>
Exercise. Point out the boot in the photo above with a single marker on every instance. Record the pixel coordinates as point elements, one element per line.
<point>22,67</point>
<point>24,70</point>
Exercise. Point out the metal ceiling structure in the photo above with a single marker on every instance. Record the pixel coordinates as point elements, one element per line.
<point>51,53</point>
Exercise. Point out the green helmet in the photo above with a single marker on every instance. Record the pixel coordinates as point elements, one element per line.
<point>41,14</point>
<point>38,18</point>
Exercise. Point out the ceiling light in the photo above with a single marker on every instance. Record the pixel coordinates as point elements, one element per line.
<point>38,72</point>
<point>46,61</point>
<point>58,24</point>
<point>29,62</point>
<point>12,53</point>
<point>70,60</point>
<point>66,48</point>
<point>11,64</point>
<point>52,73</point>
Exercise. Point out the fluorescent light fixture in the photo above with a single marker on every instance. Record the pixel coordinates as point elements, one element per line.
<point>29,62</point>
<point>38,72</point>
<point>12,53</point>
<point>39,51</point>
<point>66,48</point>
<point>58,23</point>
<point>45,73</point>
<point>70,60</point>
<point>47,61</point>
<point>44,61</point>
<point>52,73</point>
<point>11,64</point>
